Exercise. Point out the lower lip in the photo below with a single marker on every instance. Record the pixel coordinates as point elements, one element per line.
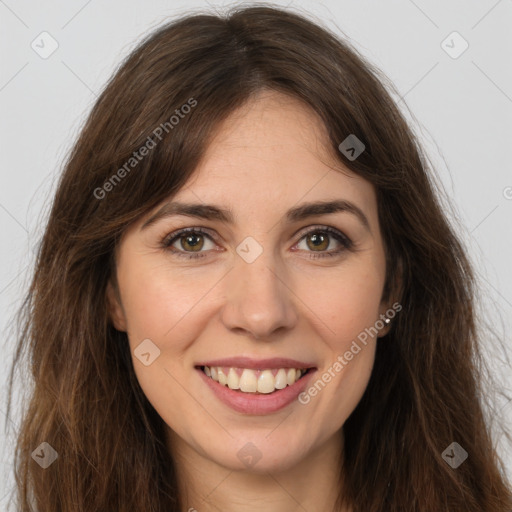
<point>252,403</point>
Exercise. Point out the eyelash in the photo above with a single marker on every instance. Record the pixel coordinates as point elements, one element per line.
<point>168,240</point>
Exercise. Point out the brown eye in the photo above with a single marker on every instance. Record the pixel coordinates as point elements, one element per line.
<point>317,241</point>
<point>192,242</point>
<point>189,242</point>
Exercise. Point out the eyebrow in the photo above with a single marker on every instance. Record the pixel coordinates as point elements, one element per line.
<point>298,213</point>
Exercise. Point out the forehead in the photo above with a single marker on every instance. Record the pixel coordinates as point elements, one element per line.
<point>271,153</point>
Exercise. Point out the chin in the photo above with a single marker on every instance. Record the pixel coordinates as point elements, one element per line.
<point>260,456</point>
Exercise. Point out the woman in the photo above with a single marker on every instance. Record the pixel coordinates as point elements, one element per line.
<point>248,297</point>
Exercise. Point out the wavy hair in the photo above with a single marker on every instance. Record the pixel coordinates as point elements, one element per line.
<point>426,387</point>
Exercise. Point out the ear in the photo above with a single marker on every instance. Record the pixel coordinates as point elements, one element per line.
<point>389,309</point>
<point>115,308</point>
<point>384,320</point>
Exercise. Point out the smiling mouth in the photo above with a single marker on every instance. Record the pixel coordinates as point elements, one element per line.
<point>246,380</point>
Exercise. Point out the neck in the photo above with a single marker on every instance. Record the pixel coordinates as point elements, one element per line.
<point>311,484</point>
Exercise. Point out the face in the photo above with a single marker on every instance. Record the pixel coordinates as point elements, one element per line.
<point>264,284</point>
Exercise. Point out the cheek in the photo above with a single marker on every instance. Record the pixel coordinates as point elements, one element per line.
<point>169,310</point>
<point>345,302</point>
<point>162,305</point>
<point>347,308</point>
<point>352,380</point>
<point>340,383</point>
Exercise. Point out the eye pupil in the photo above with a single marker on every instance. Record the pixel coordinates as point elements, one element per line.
<point>318,241</point>
<point>193,241</point>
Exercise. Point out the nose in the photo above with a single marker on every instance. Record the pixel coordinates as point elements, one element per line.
<point>259,301</point>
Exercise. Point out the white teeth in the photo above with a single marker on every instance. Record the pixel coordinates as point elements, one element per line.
<point>248,381</point>
<point>252,381</point>
<point>280,379</point>
<point>223,379</point>
<point>233,379</point>
<point>266,382</point>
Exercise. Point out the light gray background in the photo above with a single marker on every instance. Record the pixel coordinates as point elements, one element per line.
<point>461,109</point>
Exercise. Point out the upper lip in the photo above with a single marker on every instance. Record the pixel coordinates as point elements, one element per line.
<point>258,364</point>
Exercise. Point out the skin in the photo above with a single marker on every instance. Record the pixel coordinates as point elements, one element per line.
<point>266,158</point>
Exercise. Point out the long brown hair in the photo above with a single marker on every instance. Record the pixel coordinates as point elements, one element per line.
<point>425,391</point>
